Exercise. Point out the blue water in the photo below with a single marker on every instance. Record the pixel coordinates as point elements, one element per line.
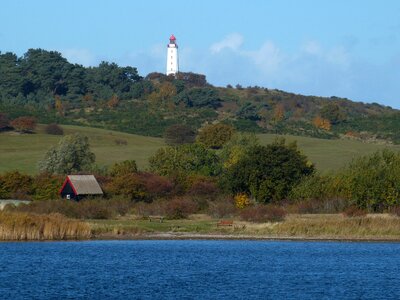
<point>199,270</point>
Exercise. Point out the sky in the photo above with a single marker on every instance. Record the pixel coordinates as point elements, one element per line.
<point>314,47</point>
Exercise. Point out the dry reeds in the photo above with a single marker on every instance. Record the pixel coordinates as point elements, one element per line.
<point>26,226</point>
<point>337,226</point>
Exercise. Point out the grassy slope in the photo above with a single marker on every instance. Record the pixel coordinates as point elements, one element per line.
<point>22,152</point>
<point>329,154</point>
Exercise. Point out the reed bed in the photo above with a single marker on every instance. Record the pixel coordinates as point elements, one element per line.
<point>27,226</point>
<point>339,226</point>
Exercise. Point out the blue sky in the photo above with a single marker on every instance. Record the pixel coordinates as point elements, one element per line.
<point>322,47</point>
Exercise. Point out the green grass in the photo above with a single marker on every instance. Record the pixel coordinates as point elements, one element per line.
<point>23,151</point>
<point>329,154</point>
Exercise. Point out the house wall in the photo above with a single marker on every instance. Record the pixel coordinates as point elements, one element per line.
<point>67,190</point>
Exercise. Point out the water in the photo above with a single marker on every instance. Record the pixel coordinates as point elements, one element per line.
<point>199,270</point>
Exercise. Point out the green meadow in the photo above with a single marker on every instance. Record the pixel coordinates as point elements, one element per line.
<point>23,151</point>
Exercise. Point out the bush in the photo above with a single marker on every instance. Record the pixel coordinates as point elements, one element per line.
<point>84,209</point>
<point>156,185</point>
<point>221,209</point>
<point>321,206</point>
<point>203,187</point>
<point>395,210</point>
<point>179,134</point>
<point>241,201</point>
<point>354,211</point>
<point>54,129</point>
<point>263,213</point>
<point>24,124</point>
<point>16,185</point>
<point>215,136</point>
<point>128,185</point>
<point>121,142</point>
<point>180,208</point>
<point>46,186</point>
<point>123,168</point>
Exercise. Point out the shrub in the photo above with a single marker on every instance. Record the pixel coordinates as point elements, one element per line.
<point>263,213</point>
<point>395,210</point>
<point>123,168</point>
<point>180,208</point>
<point>241,201</point>
<point>221,209</point>
<point>128,185</point>
<point>54,129</point>
<point>156,208</point>
<point>121,142</point>
<point>215,136</point>
<point>156,185</point>
<point>315,206</point>
<point>84,209</point>
<point>203,187</point>
<point>46,186</point>
<point>24,124</point>
<point>354,211</point>
<point>16,185</point>
<point>179,134</point>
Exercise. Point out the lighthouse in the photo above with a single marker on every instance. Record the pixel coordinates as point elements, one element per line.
<point>172,56</point>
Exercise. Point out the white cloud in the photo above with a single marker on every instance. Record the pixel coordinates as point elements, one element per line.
<point>80,56</point>
<point>268,58</point>
<point>312,48</point>
<point>232,41</point>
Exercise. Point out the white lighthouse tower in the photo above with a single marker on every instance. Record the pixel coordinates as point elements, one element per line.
<point>172,57</point>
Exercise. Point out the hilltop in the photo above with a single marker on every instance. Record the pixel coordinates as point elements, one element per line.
<point>118,98</point>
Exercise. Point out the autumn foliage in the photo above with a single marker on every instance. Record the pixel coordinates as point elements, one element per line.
<point>322,123</point>
<point>24,124</point>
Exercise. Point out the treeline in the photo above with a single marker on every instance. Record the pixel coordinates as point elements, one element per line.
<point>41,76</point>
<point>118,98</point>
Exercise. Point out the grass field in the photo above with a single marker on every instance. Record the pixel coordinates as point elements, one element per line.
<point>23,151</point>
<point>330,154</point>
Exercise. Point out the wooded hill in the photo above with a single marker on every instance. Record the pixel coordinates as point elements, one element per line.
<point>118,98</point>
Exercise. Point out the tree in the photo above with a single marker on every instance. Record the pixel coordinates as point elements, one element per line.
<point>215,136</point>
<point>71,155</point>
<point>199,97</point>
<point>123,168</point>
<point>333,113</point>
<point>268,173</point>
<point>373,182</point>
<point>179,134</point>
<point>185,160</point>
<point>237,147</point>
<point>24,124</point>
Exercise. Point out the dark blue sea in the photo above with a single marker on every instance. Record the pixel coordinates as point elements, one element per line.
<point>199,270</point>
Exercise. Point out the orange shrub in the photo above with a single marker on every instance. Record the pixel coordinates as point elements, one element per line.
<point>322,123</point>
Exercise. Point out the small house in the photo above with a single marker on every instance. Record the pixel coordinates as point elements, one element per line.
<point>78,186</point>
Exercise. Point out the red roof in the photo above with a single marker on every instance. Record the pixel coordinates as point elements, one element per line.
<point>172,38</point>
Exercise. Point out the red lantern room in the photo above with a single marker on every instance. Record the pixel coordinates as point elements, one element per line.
<point>172,39</point>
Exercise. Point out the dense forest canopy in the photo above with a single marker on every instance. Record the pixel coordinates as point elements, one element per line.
<point>115,97</point>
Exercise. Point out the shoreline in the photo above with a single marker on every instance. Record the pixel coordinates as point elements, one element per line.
<point>229,237</point>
